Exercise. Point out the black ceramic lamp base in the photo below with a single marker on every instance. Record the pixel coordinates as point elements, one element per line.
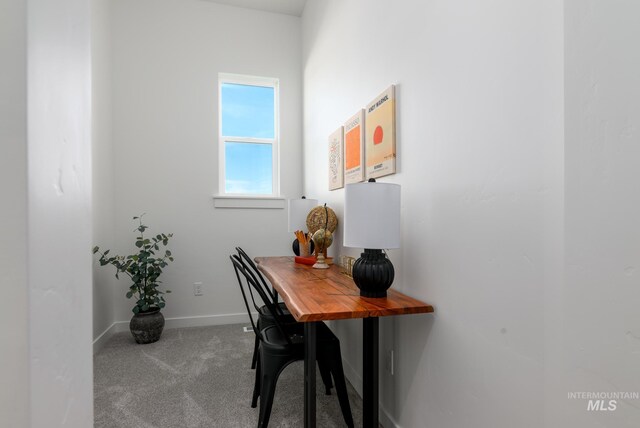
<point>373,273</point>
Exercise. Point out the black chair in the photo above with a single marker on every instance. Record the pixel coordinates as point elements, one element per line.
<point>264,315</point>
<point>280,345</point>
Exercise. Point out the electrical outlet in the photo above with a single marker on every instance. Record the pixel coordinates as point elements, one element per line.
<point>390,362</point>
<point>197,288</point>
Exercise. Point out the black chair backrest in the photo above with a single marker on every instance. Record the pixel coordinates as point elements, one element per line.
<point>255,272</point>
<point>250,264</point>
<point>237,259</point>
<point>262,292</point>
<point>252,270</point>
<point>236,267</point>
<point>241,270</point>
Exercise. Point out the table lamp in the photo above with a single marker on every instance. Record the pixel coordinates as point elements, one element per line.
<point>372,222</point>
<point>298,211</point>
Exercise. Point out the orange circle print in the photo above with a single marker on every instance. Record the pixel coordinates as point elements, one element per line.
<point>377,135</point>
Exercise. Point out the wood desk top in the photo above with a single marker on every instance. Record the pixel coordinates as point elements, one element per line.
<point>327,294</point>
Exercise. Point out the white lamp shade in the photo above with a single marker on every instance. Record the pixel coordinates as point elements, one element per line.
<point>298,211</point>
<point>372,215</point>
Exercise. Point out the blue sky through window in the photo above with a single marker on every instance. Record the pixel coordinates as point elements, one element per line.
<point>248,168</point>
<point>248,111</point>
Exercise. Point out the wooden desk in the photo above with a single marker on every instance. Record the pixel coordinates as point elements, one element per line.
<point>314,295</point>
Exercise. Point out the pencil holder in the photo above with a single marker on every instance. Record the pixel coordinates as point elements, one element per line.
<point>304,249</point>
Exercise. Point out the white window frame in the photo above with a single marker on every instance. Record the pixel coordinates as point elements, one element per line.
<point>274,142</point>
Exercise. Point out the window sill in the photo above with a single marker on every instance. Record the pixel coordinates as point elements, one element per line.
<point>249,202</point>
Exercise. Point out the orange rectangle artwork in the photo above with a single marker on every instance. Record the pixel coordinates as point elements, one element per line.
<point>352,148</point>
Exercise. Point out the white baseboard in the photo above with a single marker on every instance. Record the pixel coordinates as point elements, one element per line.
<point>178,322</point>
<point>386,420</point>
<point>206,320</point>
<point>104,337</point>
<point>356,381</point>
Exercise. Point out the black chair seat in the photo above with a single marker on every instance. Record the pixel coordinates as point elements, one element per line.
<point>274,337</point>
<point>265,312</point>
<point>276,340</point>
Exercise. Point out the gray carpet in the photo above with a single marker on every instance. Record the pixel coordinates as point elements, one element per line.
<point>198,377</point>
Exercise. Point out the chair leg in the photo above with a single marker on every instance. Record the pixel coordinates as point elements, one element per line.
<point>267,392</point>
<point>266,400</point>
<point>255,353</point>
<point>272,366</point>
<point>256,384</point>
<point>341,386</point>
<point>325,373</point>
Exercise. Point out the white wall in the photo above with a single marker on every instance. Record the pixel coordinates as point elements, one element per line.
<point>103,207</point>
<point>59,214</point>
<point>45,325</point>
<point>602,105</point>
<point>480,161</point>
<point>14,325</point>
<point>166,58</point>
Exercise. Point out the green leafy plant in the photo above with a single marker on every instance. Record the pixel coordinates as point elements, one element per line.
<point>143,268</point>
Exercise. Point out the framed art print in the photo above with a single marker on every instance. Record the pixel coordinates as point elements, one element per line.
<point>354,148</point>
<point>380,135</point>
<point>336,168</point>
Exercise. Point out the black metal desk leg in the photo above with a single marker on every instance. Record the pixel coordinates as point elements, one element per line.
<point>310,374</point>
<point>370,373</point>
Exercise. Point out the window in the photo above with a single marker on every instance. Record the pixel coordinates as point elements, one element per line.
<point>248,135</point>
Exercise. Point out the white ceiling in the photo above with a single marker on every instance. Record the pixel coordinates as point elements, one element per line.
<point>288,7</point>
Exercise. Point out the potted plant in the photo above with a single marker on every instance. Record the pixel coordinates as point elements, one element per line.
<point>143,268</point>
